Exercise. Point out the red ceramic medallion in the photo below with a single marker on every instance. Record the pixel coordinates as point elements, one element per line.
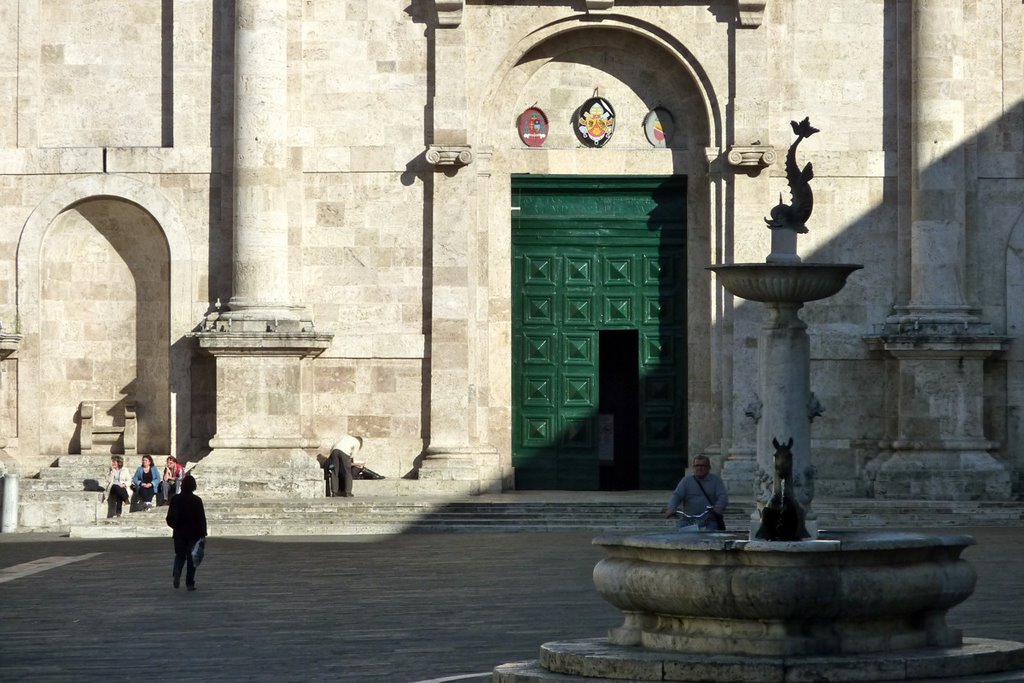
<point>533,127</point>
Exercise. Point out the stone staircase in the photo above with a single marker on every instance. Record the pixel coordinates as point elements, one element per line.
<point>66,499</point>
<point>525,512</point>
<point>68,493</point>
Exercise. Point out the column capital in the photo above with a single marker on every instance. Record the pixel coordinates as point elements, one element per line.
<point>8,344</point>
<point>756,156</point>
<point>750,13</point>
<point>449,155</point>
<point>449,12</point>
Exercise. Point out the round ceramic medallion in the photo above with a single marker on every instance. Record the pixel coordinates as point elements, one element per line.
<point>595,122</point>
<point>533,127</point>
<point>659,126</point>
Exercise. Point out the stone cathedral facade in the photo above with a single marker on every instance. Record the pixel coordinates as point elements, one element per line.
<point>476,233</point>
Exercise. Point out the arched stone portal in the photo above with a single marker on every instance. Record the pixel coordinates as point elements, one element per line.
<point>635,67</point>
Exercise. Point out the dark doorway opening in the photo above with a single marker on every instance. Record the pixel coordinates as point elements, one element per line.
<point>619,410</point>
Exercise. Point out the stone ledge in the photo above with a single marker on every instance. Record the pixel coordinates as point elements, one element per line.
<point>595,660</point>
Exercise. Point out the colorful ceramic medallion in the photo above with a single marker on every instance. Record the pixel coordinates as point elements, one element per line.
<point>533,127</point>
<point>659,127</point>
<point>595,122</point>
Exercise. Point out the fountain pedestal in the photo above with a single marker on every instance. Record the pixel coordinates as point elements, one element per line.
<point>784,359</point>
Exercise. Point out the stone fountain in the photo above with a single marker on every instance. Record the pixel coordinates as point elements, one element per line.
<point>786,602</point>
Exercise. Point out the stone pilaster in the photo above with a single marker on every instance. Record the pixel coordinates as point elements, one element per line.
<point>457,450</point>
<point>8,346</point>
<point>939,450</point>
<point>742,175</point>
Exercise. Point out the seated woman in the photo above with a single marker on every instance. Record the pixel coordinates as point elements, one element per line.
<point>145,482</point>
<point>116,490</point>
<point>170,483</point>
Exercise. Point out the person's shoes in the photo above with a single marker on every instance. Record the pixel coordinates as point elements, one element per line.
<point>177,581</point>
<point>191,588</point>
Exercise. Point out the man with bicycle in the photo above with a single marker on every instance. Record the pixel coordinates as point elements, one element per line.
<point>697,492</point>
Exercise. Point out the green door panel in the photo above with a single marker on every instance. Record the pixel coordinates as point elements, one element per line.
<point>592,254</point>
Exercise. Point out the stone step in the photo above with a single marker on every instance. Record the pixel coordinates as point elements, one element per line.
<point>63,504</point>
<point>385,516</point>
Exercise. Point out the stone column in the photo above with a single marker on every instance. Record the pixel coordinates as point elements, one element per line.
<point>456,452</point>
<point>260,341</point>
<point>261,156</point>
<point>938,186</point>
<point>939,343</point>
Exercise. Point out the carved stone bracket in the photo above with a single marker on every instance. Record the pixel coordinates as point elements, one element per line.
<point>449,12</point>
<point>593,5</point>
<point>449,155</point>
<point>750,12</point>
<point>752,155</point>
<point>8,344</point>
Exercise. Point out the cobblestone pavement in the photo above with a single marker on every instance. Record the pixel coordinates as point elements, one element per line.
<point>397,609</point>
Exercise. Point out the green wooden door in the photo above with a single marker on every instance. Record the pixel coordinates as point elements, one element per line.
<point>592,254</point>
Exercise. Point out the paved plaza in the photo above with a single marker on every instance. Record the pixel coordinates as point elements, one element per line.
<point>394,609</point>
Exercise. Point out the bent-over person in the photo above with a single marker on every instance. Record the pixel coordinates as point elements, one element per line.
<point>339,464</point>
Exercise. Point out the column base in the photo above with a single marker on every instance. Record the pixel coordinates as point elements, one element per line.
<point>739,470</point>
<point>263,472</point>
<point>942,475</point>
<point>477,466</point>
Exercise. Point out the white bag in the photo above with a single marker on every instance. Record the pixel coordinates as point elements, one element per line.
<point>198,550</point>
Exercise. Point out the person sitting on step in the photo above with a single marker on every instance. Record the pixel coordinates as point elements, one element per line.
<point>145,483</point>
<point>116,490</point>
<point>170,483</point>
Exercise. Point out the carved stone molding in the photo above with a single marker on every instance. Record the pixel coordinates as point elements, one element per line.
<point>449,155</point>
<point>449,12</point>
<point>752,155</point>
<point>750,12</point>
<point>593,5</point>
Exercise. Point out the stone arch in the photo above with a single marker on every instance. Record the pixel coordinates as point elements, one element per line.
<point>88,194</point>
<point>499,153</point>
<point>490,106</point>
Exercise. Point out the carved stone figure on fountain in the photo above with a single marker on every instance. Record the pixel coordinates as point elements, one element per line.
<point>788,220</point>
<point>783,518</point>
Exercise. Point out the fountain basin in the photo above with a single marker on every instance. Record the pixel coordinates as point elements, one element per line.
<point>784,283</point>
<point>843,593</point>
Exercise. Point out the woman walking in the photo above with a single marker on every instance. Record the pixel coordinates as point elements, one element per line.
<point>187,516</point>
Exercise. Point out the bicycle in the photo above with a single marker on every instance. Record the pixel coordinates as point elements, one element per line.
<point>688,522</point>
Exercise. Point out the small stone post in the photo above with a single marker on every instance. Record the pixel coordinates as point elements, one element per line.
<point>9,512</point>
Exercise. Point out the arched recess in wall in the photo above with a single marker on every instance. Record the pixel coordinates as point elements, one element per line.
<point>638,67</point>
<point>496,113</point>
<point>104,273</point>
<point>1015,354</point>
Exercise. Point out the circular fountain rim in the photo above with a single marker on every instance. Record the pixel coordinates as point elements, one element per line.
<point>827,541</point>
